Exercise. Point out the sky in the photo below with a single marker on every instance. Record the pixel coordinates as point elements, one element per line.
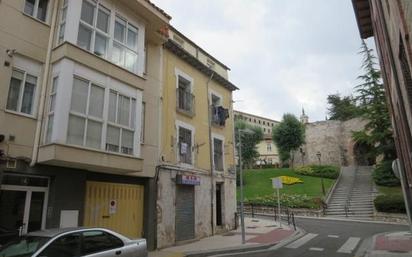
<point>284,55</point>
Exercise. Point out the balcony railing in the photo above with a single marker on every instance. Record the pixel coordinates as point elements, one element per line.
<point>219,115</point>
<point>185,102</point>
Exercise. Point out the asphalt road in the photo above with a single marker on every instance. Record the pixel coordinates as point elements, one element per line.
<point>330,238</point>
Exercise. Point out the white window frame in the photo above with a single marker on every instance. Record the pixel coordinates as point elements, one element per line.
<point>21,92</point>
<point>214,93</point>
<point>193,130</point>
<point>51,111</point>
<point>221,138</point>
<point>62,25</point>
<point>180,73</point>
<point>36,9</point>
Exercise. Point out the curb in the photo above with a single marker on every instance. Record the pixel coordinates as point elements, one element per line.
<point>264,248</point>
<point>351,220</point>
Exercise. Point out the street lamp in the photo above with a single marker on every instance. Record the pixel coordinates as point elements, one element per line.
<point>319,155</point>
<point>242,216</point>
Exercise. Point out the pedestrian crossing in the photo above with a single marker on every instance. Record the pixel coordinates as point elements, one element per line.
<point>307,241</point>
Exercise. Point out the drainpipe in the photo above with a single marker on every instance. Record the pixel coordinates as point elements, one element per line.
<point>210,152</point>
<point>45,77</point>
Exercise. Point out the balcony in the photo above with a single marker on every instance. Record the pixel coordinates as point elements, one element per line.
<point>89,159</point>
<point>219,115</point>
<point>185,102</point>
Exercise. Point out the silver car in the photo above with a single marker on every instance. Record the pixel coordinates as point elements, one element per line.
<point>74,242</point>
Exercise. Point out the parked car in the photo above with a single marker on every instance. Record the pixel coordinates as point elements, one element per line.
<point>74,242</point>
<point>7,235</point>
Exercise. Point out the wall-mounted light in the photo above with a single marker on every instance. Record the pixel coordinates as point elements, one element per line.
<point>11,52</point>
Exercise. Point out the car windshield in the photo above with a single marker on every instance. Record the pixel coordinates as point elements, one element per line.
<point>23,247</point>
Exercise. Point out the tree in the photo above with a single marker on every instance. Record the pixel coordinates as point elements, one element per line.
<point>288,136</point>
<point>249,141</point>
<point>342,108</point>
<point>372,101</point>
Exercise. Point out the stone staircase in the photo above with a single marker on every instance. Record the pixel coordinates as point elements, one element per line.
<point>353,195</point>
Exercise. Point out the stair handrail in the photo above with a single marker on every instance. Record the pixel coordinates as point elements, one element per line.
<point>348,197</point>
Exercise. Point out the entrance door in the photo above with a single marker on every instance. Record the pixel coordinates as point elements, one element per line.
<point>185,212</point>
<point>22,208</point>
<point>115,206</point>
<point>219,204</point>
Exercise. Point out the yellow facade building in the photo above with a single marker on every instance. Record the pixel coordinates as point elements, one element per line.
<point>196,180</point>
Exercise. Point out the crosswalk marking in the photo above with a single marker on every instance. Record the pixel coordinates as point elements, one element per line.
<point>316,249</point>
<point>333,236</point>
<point>349,245</point>
<point>301,241</point>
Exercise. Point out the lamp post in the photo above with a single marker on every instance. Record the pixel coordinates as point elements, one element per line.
<point>319,155</point>
<point>242,216</point>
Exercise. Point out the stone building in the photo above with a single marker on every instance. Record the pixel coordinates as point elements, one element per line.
<point>390,23</point>
<point>268,152</point>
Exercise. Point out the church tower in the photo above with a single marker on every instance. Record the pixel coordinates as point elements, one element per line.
<point>304,118</point>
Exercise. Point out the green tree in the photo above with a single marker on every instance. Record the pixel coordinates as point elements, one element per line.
<point>249,141</point>
<point>342,108</point>
<point>288,136</point>
<point>370,95</point>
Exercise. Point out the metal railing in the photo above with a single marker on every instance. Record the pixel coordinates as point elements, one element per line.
<point>286,214</point>
<point>348,197</point>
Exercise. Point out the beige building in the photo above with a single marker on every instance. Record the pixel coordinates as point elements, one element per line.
<point>80,113</point>
<point>268,152</point>
<point>196,176</point>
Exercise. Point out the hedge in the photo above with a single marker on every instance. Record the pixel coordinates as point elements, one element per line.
<point>383,175</point>
<point>393,203</point>
<point>325,171</point>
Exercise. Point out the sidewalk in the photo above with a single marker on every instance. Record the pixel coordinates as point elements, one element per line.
<point>393,244</point>
<point>260,234</point>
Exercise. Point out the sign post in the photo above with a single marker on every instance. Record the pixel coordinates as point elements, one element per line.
<point>277,184</point>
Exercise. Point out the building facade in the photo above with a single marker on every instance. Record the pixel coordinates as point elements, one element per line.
<point>390,23</point>
<point>79,114</point>
<point>268,152</point>
<point>196,176</point>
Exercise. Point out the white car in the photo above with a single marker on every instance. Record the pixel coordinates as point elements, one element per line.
<point>74,242</point>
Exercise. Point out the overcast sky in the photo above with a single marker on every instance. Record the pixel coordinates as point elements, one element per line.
<point>283,54</point>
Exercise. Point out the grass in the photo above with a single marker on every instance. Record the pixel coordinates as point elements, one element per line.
<point>258,183</point>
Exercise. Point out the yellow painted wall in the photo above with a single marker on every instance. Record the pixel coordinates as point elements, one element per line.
<point>199,121</point>
<point>264,154</point>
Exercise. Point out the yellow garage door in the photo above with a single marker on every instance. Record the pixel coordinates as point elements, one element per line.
<point>118,207</point>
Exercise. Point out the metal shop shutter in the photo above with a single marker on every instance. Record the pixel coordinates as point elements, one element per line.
<point>127,215</point>
<point>185,212</point>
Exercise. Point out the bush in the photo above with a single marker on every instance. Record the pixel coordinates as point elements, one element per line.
<point>286,200</point>
<point>325,171</point>
<point>393,203</point>
<point>383,175</point>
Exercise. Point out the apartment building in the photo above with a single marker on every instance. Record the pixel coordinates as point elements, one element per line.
<point>79,114</point>
<point>268,152</point>
<point>390,23</point>
<point>196,177</point>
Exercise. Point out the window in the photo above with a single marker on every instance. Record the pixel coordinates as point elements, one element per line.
<point>22,92</point>
<point>86,114</point>
<point>62,26</point>
<point>185,99</point>
<point>269,147</point>
<point>98,241</point>
<point>125,44</point>
<point>185,145</point>
<point>121,123</point>
<point>64,246</point>
<point>52,104</point>
<point>36,8</point>
<point>218,154</point>
<point>93,32</point>
<point>142,130</point>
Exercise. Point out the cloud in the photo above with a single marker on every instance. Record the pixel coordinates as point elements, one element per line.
<point>283,55</point>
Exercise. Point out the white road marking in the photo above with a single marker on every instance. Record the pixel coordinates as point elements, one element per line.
<point>301,241</point>
<point>316,249</point>
<point>349,245</point>
<point>333,236</point>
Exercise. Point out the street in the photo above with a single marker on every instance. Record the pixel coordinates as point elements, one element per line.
<point>329,238</point>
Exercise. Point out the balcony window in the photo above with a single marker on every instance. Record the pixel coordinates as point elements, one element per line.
<point>36,8</point>
<point>185,99</point>
<point>62,26</point>
<point>219,114</point>
<point>93,32</point>
<point>185,145</point>
<point>125,44</point>
<point>51,108</point>
<point>218,154</point>
<point>21,92</point>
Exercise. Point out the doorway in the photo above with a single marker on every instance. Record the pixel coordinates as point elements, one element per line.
<point>219,192</point>
<point>23,208</point>
<point>185,212</point>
